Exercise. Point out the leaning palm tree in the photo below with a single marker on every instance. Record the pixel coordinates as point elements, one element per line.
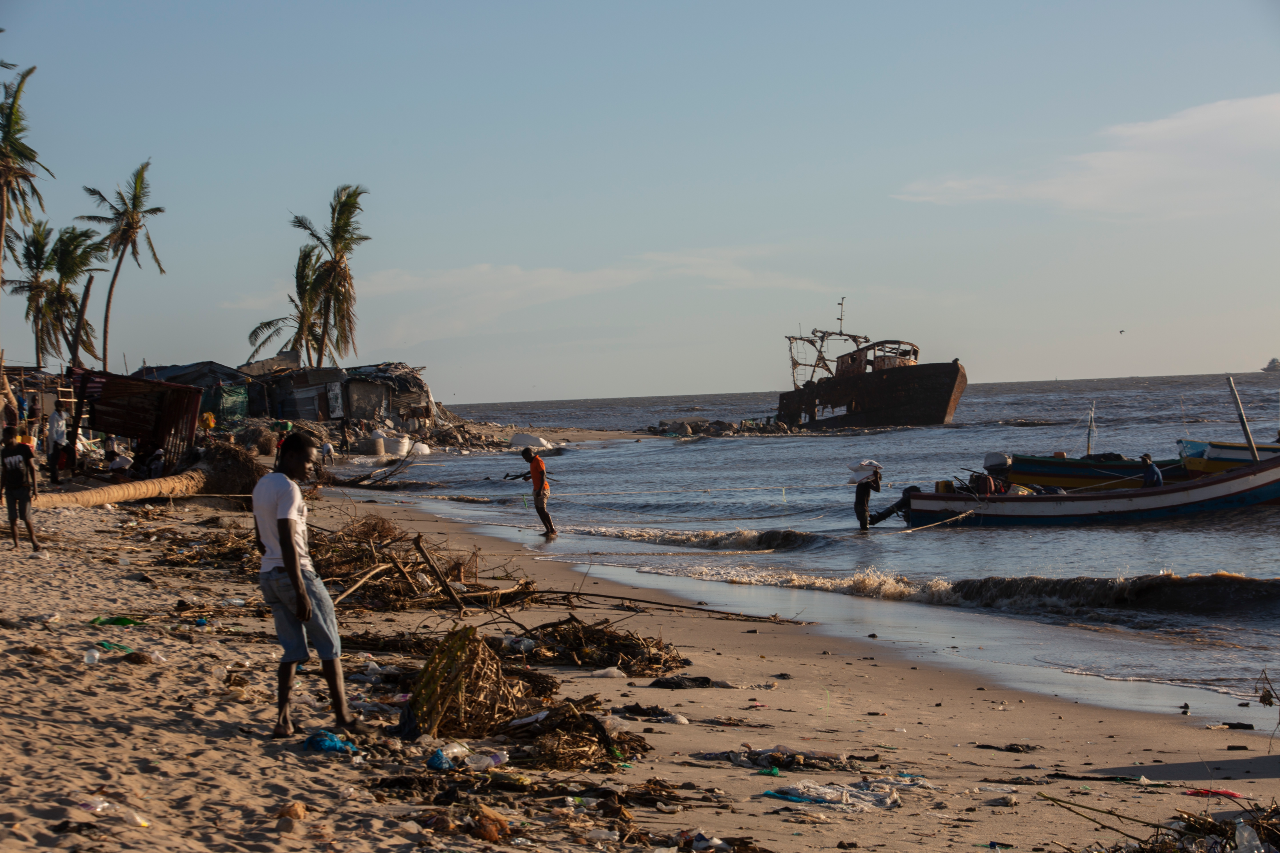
<point>127,222</point>
<point>334,285</point>
<point>18,161</point>
<point>304,320</point>
<point>74,254</point>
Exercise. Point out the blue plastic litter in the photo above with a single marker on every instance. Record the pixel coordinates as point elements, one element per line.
<point>790,799</point>
<point>323,741</point>
<point>438,761</point>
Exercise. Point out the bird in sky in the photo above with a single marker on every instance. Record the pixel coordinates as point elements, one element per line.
<point>1122,331</point>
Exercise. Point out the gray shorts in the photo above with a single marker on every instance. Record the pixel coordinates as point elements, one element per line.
<point>19,502</point>
<point>321,631</point>
<point>540,497</point>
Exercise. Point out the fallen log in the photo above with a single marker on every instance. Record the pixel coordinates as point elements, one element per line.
<point>179,485</point>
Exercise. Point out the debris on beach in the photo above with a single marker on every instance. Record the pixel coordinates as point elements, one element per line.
<point>1255,829</point>
<point>572,642</point>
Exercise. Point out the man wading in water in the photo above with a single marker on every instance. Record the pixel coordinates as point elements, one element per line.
<point>868,477</point>
<point>538,473</point>
<point>299,603</point>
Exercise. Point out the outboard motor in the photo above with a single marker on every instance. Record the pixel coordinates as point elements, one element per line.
<point>902,505</point>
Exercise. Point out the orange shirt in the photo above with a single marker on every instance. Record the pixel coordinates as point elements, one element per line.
<point>538,469</point>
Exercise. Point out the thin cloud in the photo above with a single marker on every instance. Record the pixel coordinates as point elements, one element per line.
<point>464,299</point>
<point>1208,160</point>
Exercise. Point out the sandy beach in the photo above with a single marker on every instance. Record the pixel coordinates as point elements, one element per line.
<point>168,746</point>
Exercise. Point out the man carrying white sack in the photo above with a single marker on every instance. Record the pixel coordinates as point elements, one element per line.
<point>867,475</point>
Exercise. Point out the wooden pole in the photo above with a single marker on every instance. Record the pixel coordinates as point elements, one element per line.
<point>1244,422</point>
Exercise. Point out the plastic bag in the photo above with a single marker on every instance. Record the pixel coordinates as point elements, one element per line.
<point>611,672</point>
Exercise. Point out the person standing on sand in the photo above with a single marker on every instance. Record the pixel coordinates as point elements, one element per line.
<point>18,478</point>
<point>57,440</point>
<point>1151,476</point>
<point>541,491</point>
<point>300,605</point>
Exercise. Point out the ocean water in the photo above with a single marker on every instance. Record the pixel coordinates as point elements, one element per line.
<point>1191,602</point>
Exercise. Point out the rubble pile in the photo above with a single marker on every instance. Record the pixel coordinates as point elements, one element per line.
<point>716,429</point>
<point>465,436</point>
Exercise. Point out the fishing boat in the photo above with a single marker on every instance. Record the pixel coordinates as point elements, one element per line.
<point>1091,471</point>
<point>1213,457</point>
<point>875,384</point>
<point>1273,366</point>
<point>1095,471</point>
<point>1241,487</point>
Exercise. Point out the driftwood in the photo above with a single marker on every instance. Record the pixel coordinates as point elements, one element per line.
<point>441,578</point>
<point>367,575</point>
<point>179,485</point>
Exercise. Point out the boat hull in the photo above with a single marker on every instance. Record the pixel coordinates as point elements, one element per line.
<point>1086,473</point>
<point>1202,458</point>
<point>916,395</point>
<point>1243,487</point>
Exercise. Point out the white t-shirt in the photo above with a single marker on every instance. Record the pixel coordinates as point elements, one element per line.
<point>276,497</point>
<point>326,449</point>
<point>119,462</point>
<point>58,427</point>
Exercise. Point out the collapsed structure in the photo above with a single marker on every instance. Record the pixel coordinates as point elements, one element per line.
<point>282,387</point>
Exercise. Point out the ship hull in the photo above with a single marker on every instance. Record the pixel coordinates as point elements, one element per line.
<point>916,395</point>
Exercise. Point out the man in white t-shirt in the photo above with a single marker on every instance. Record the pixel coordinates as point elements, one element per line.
<point>326,453</point>
<point>300,605</point>
<point>57,438</point>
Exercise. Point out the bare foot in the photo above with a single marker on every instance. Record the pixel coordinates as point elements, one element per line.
<point>281,731</point>
<point>358,727</point>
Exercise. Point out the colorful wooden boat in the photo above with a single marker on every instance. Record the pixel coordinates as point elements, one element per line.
<point>1241,487</point>
<point>1214,457</point>
<point>1082,473</point>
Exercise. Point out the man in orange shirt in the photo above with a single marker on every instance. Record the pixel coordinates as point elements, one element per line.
<point>541,491</point>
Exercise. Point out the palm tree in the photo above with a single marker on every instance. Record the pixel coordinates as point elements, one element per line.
<point>74,254</point>
<point>304,320</point>
<point>18,161</point>
<point>127,222</point>
<point>35,258</point>
<point>334,286</point>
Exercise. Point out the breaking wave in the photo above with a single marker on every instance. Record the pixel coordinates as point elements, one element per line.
<point>1221,592</point>
<point>719,540</point>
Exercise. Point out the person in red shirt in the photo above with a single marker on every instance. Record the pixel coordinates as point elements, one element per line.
<point>541,491</point>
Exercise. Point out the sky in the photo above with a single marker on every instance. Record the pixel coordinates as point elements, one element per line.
<point>572,200</point>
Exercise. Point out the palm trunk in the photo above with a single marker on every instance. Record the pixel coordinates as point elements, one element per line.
<point>106,317</point>
<point>178,485</point>
<point>4,227</point>
<point>84,305</point>
<point>324,334</point>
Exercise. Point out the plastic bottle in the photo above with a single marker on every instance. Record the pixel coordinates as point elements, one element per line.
<point>602,835</point>
<point>92,656</point>
<point>454,750</point>
<point>479,763</point>
<point>219,674</point>
<point>97,805</point>
<point>1247,840</point>
<point>613,725</point>
<point>134,819</point>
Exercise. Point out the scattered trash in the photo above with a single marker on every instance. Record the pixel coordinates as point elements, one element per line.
<point>1013,747</point>
<point>325,741</point>
<point>611,672</point>
<point>92,656</point>
<point>681,682</point>
<point>114,620</point>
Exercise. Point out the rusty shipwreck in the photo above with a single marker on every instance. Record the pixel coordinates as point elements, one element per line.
<point>874,384</point>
